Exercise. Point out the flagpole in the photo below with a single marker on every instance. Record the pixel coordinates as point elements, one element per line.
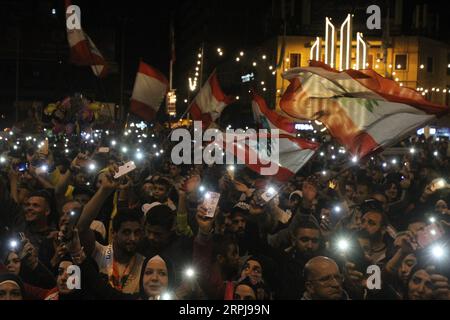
<point>122,76</point>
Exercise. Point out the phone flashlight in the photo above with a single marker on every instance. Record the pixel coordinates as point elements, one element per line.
<point>113,142</point>
<point>343,245</point>
<point>92,166</point>
<point>337,209</point>
<point>13,244</point>
<point>124,149</point>
<point>2,159</point>
<point>271,190</point>
<point>189,272</point>
<point>437,251</point>
<point>139,156</point>
<point>166,296</point>
<point>432,219</point>
<point>201,188</point>
<point>207,195</point>
<point>440,183</point>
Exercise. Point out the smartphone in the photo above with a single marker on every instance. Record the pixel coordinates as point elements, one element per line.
<point>354,253</point>
<point>428,235</point>
<point>269,194</point>
<point>210,202</point>
<point>126,168</point>
<point>17,243</point>
<point>103,150</point>
<point>74,216</point>
<point>23,166</point>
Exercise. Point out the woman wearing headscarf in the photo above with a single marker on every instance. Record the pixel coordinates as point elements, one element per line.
<point>156,281</point>
<point>11,287</point>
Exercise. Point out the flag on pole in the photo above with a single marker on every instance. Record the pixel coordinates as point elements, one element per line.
<point>270,119</point>
<point>150,88</point>
<point>209,102</point>
<point>83,51</point>
<point>361,109</point>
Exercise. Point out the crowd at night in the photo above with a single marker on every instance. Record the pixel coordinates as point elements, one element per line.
<point>335,184</point>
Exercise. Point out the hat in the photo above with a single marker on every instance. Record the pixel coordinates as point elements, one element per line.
<point>296,192</point>
<point>146,207</point>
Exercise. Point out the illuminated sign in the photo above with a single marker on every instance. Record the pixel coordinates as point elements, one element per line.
<point>304,127</point>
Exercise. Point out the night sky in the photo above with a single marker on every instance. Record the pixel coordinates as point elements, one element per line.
<point>143,28</point>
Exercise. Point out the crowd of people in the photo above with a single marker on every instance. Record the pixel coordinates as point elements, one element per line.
<point>147,235</point>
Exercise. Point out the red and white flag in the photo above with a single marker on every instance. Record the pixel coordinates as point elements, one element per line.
<point>270,119</point>
<point>83,51</point>
<point>278,155</point>
<point>150,88</point>
<point>209,102</point>
<point>361,109</point>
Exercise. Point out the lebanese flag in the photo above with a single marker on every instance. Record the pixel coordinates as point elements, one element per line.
<point>83,51</point>
<point>270,119</point>
<point>288,154</point>
<point>364,111</point>
<point>150,88</point>
<point>209,102</point>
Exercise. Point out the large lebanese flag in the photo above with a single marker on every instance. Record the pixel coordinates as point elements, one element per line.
<point>150,88</point>
<point>209,102</point>
<point>268,118</point>
<point>361,109</point>
<point>83,51</point>
<point>286,157</point>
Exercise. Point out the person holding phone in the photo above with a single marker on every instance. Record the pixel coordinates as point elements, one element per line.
<point>216,257</point>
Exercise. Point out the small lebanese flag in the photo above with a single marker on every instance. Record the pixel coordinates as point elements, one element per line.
<point>83,51</point>
<point>209,102</point>
<point>270,119</point>
<point>150,88</point>
<point>361,109</point>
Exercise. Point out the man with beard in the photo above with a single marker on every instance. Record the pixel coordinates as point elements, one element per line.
<point>118,261</point>
<point>245,231</point>
<point>373,228</point>
<point>307,242</point>
<point>160,238</point>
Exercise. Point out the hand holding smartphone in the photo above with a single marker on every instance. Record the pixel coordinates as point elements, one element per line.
<point>269,194</point>
<point>126,168</point>
<point>210,202</point>
<point>428,235</point>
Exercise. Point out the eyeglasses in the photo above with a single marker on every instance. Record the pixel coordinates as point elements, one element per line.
<point>326,280</point>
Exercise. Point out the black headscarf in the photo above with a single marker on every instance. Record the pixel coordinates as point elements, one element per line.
<point>11,277</point>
